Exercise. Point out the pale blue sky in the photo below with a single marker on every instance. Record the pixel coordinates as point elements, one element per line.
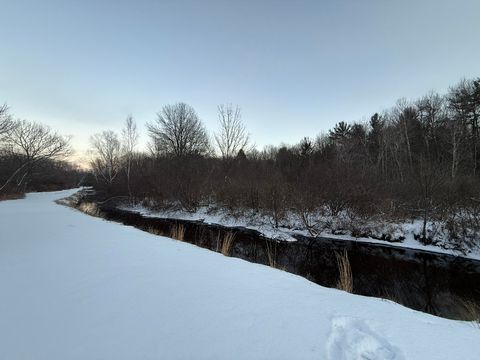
<point>295,67</point>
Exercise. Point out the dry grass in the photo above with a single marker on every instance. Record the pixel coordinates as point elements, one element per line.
<point>388,295</point>
<point>345,281</point>
<point>394,295</point>
<point>4,196</point>
<point>227,243</point>
<point>177,232</point>
<point>219,241</point>
<point>153,230</point>
<point>271,253</point>
<point>89,208</point>
<point>471,311</point>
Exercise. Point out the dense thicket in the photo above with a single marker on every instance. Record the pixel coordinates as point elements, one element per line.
<point>420,159</point>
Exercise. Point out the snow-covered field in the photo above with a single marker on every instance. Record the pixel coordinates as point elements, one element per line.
<point>292,225</point>
<point>78,287</point>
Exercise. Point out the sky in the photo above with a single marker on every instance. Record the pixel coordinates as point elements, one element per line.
<point>294,67</point>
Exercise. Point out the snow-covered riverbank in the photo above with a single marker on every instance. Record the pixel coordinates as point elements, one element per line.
<point>79,287</point>
<point>404,232</point>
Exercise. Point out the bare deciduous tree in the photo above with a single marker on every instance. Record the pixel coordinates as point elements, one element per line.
<point>429,178</point>
<point>129,142</point>
<point>34,142</point>
<point>464,101</point>
<point>232,136</point>
<point>6,122</point>
<point>178,131</point>
<point>407,117</point>
<point>108,162</point>
<point>458,138</point>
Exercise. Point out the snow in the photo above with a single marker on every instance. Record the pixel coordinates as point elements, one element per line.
<point>351,338</point>
<point>209,216</point>
<point>292,226</point>
<point>79,287</point>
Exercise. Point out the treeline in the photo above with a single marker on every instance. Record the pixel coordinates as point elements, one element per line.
<point>32,158</point>
<point>418,160</point>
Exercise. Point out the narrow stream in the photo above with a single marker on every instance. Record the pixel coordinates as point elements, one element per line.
<point>435,283</point>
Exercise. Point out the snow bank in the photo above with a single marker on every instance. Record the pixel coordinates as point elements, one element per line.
<point>337,228</point>
<point>78,287</point>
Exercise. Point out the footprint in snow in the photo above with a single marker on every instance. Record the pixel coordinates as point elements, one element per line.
<point>352,339</point>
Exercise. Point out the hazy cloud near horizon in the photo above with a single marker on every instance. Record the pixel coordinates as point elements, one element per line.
<point>295,67</point>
